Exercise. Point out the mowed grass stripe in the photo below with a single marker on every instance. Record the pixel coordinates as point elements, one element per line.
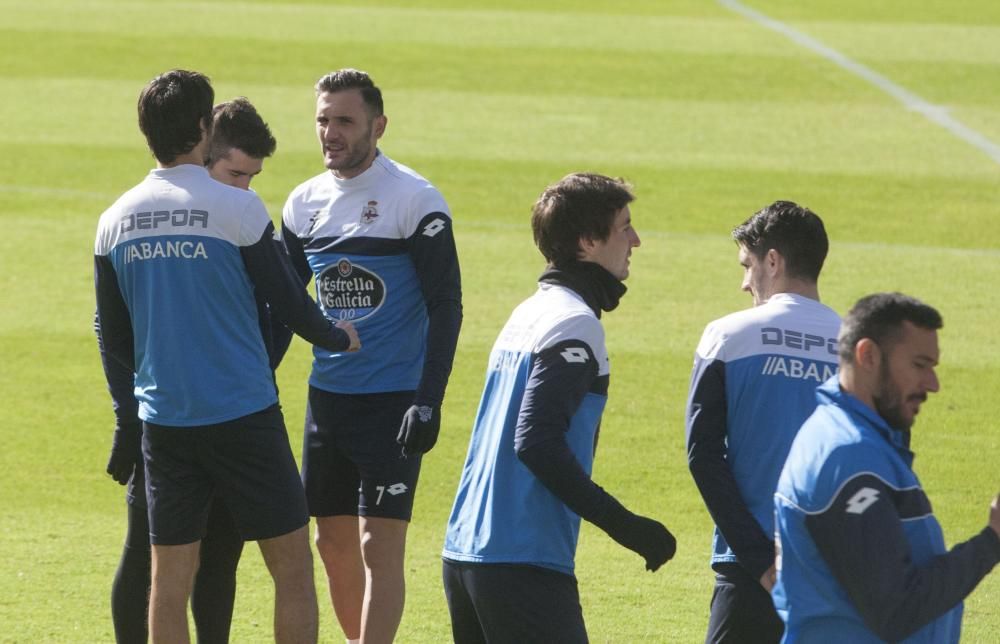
<point>534,70</point>
<point>567,129</point>
<point>393,26</point>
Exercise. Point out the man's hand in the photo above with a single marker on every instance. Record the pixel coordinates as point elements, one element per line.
<point>126,451</point>
<point>352,333</point>
<point>647,537</point>
<point>419,431</point>
<point>769,578</point>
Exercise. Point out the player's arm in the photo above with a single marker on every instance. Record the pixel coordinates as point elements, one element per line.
<point>860,537</point>
<point>114,326</point>
<point>558,382</point>
<point>126,442</point>
<point>432,249</point>
<point>706,448</point>
<point>272,273</point>
<point>296,253</point>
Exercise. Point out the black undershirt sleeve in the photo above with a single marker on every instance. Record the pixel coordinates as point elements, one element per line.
<point>706,447</point>
<point>273,275</point>
<point>293,246</point>
<point>121,384</point>
<point>555,389</point>
<point>860,537</point>
<point>435,258</point>
<point>113,324</point>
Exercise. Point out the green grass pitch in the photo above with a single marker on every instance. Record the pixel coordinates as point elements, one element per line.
<point>710,115</point>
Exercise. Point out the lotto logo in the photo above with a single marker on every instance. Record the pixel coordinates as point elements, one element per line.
<point>434,227</point>
<point>396,489</point>
<point>575,354</point>
<point>862,500</point>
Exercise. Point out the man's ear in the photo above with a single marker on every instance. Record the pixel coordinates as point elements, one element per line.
<point>586,247</point>
<point>378,125</point>
<point>774,262</point>
<point>867,354</point>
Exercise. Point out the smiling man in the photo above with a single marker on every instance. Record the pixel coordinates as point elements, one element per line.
<point>861,557</point>
<point>377,238</point>
<point>511,541</point>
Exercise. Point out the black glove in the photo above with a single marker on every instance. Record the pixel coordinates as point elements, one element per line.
<point>126,451</point>
<point>647,537</point>
<point>419,431</point>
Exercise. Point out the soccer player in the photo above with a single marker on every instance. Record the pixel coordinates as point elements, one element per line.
<point>511,541</point>
<point>177,260</point>
<point>377,238</point>
<point>241,140</point>
<point>861,557</point>
<point>753,383</point>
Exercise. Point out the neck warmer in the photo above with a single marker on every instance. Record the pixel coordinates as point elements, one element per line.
<point>599,289</point>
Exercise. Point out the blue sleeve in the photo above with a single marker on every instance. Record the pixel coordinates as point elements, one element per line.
<point>860,537</point>
<point>555,390</point>
<point>432,249</point>
<point>113,324</point>
<point>121,385</point>
<point>706,448</point>
<point>274,277</point>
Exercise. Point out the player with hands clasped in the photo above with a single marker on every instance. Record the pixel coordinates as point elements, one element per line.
<point>511,540</point>
<point>861,557</point>
<point>377,240</point>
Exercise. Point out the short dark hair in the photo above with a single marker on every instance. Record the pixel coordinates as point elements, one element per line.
<point>580,206</point>
<point>797,233</point>
<point>345,79</point>
<point>880,318</point>
<point>236,124</point>
<point>173,107</point>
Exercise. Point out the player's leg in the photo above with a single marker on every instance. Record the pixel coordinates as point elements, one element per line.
<point>742,610</point>
<point>178,491</point>
<point>388,486</point>
<point>331,482</point>
<point>257,478</point>
<point>289,560</point>
<point>173,575</point>
<point>383,546</point>
<point>130,589</point>
<point>339,547</point>
<point>465,626</point>
<point>215,582</point>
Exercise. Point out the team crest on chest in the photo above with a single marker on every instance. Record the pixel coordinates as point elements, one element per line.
<point>369,213</point>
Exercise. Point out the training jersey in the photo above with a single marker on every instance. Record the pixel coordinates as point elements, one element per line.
<point>753,384</point>
<point>861,557</point>
<point>547,379</point>
<point>173,246</point>
<point>382,254</point>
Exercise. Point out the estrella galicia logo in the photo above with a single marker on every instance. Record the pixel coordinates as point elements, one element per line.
<point>349,291</point>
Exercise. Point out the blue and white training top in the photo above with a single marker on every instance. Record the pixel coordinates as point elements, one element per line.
<point>546,384</point>
<point>753,384</point>
<point>861,557</point>
<point>381,250</point>
<point>177,261</point>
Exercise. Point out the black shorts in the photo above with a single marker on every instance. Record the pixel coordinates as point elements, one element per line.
<point>351,462</point>
<point>742,610</point>
<point>512,603</point>
<point>246,462</point>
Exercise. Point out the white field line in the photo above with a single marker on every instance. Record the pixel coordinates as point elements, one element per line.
<point>935,113</point>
